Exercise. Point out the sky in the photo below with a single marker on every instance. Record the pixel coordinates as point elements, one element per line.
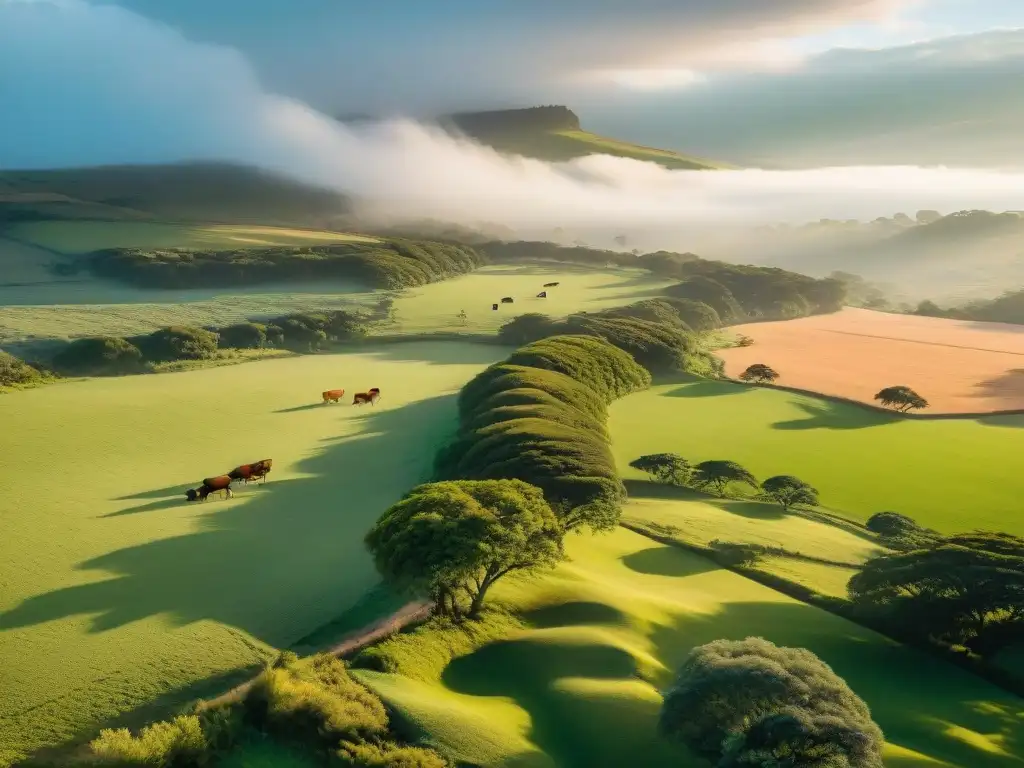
<point>850,107</point>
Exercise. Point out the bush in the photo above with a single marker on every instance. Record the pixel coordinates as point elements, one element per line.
<point>100,354</point>
<point>387,756</point>
<point>177,342</point>
<point>244,336</point>
<point>750,702</point>
<point>891,524</point>
<point>315,700</point>
<point>14,371</point>
<point>732,554</point>
<point>176,744</point>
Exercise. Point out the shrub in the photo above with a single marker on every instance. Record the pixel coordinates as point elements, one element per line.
<point>696,314</point>
<point>178,342</point>
<point>750,702</point>
<point>732,554</point>
<point>244,336</point>
<point>315,699</point>
<point>100,354</point>
<point>345,326</point>
<point>891,524</point>
<point>528,328</point>
<point>176,744</point>
<point>15,371</point>
<point>387,755</point>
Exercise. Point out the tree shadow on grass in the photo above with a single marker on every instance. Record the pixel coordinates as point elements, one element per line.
<point>574,614</point>
<point>666,561</point>
<point>438,353</point>
<point>708,388</point>
<point>647,489</point>
<point>826,414</point>
<point>276,564</point>
<point>914,697</point>
<point>1013,421</point>
<point>753,510</point>
<point>307,407</point>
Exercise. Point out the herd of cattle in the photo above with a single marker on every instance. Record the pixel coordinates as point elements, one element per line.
<point>510,300</point>
<point>361,398</point>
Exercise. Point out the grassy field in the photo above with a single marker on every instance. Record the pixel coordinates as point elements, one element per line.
<point>117,593</point>
<point>95,308</point>
<point>952,475</point>
<point>72,237</point>
<point>579,686</point>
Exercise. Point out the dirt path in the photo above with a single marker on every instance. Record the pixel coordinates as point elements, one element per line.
<point>356,640</point>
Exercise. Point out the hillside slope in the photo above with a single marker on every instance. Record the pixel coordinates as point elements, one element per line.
<point>555,134</point>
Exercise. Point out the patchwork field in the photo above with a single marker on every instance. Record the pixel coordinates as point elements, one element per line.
<point>958,366</point>
<point>97,308</point>
<point>579,687</point>
<point>117,593</point>
<point>952,475</point>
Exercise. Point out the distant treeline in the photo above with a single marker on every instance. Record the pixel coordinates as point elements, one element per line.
<point>532,119</point>
<point>119,356</point>
<point>393,263</point>
<point>658,333</point>
<point>737,293</point>
<point>539,417</point>
<point>1008,308</point>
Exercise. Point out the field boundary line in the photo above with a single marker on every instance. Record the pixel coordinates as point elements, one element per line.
<point>919,341</point>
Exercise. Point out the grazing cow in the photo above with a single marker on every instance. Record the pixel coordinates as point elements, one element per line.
<point>550,285</point>
<point>494,306</point>
<point>210,485</point>
<point>542,295</point>
<point>507,300</point>
<point>371,397</point>
<point>251,472</point>
<point>333,395</point>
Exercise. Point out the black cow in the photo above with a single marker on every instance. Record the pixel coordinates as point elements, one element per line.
<point>507,300</point>
<point>494,306</point>
<point>542,295</point>
<point>550,285</point>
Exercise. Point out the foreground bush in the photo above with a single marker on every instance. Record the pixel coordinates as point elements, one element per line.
<point>176,744</point>
<point>387,756</point>
<point>456,539</point>
<point>101,354</point>
<point>752,703</point>
<point>15,372</point>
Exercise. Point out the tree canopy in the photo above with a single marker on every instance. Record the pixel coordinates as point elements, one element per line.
<point>97,355</point>
<point>952,590</point>
<point>759,373</point>
<point>901,398</point>
<point>719,474</point>
<point>453,540</point>
<point>15,371</point>
<point>664,467</point>
<point>787,491</point>
<point>752,703</point>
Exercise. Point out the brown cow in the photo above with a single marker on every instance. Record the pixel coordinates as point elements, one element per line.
<point>210,485</point>
<point>333,395</point>
<point>371,397</point>
<point>250,472</point>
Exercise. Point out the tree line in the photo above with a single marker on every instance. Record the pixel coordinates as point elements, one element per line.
<point>393,263</point>
<point>1008,308</point>
<point>737,293</point>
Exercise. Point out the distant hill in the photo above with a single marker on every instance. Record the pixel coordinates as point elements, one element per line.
<point>208,192</point>
<point>555,133</point>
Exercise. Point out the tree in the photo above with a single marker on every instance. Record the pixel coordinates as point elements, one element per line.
<point>891,524</point>
<point>948,589</point>
<point>99,354</point>
<point>788,491</point>
<point>901,398</point>
<point>718,474</point>
<point>752,703</point>
<point>178,342</point>
<point>759,373</point>
<point>664,467</point>
<point>453,540</point>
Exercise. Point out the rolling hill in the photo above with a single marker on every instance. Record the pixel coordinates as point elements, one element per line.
<point>556,134</point>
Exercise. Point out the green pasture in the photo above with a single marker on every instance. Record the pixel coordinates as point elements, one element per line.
<point>92,307</point>
<point>579,686</point>
<point>948,474</point>
<point>116,593</point>
<point>72,237</point>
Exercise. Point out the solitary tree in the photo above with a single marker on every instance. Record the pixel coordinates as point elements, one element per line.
<point>664,467</point>
<point>752,703</point>
<point>787,491</point>
<point>453,540</point>
<point>719,474</point>
<point>759,373</point>
<point>901,399</point>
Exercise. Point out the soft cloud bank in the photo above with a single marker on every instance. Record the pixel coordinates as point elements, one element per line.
<point>86,85</point>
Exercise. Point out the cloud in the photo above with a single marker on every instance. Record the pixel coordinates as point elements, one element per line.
<point>955,100</point>
<point>409,55</point>
<point>89,85</point>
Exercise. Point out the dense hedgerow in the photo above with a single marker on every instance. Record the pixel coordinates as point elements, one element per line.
<point>393,263</point>
<point>539,417</point>
<point>15,372</point>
